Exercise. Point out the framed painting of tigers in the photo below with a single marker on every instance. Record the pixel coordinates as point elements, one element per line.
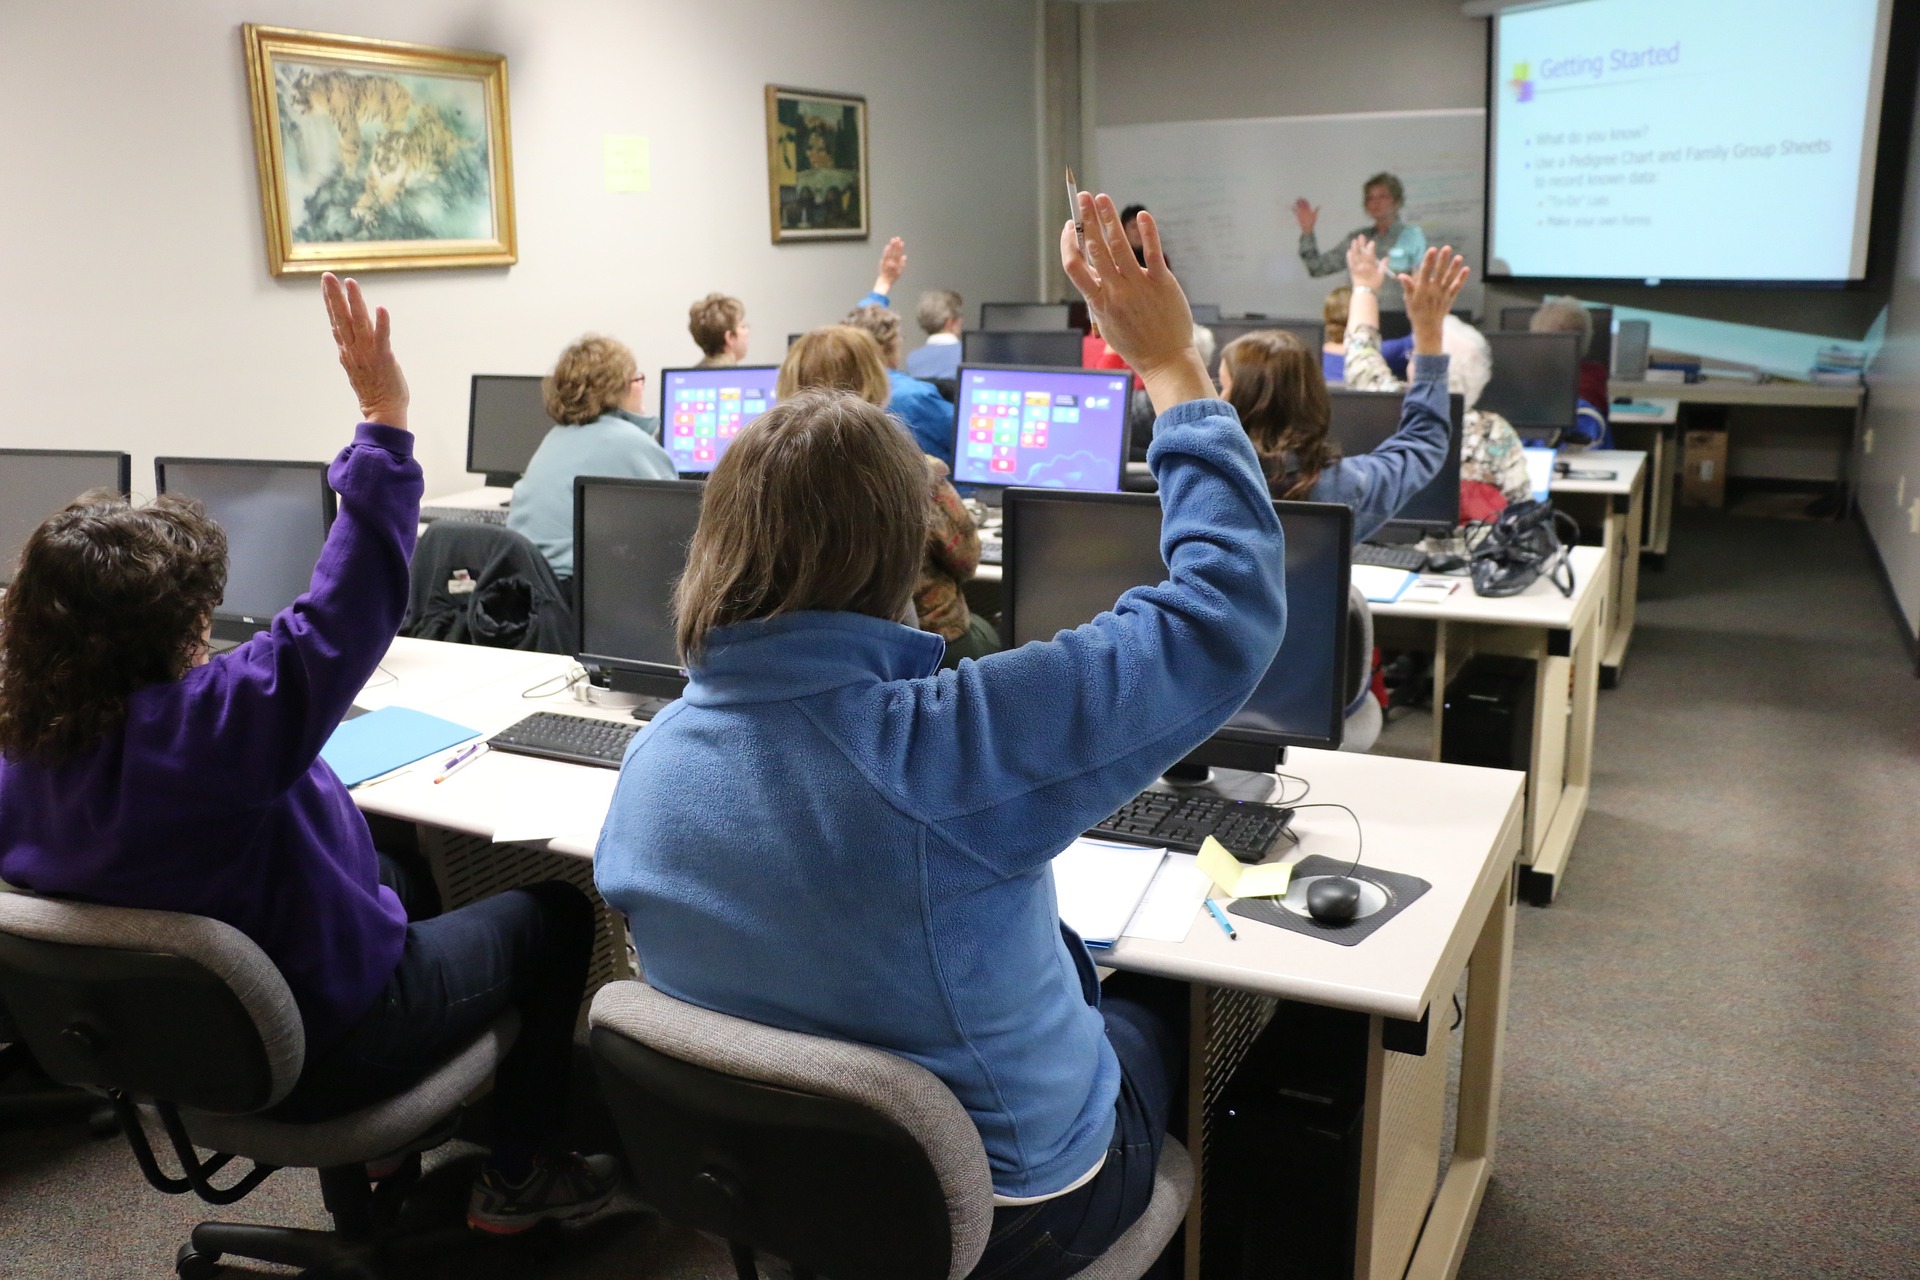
<point>376,155</point>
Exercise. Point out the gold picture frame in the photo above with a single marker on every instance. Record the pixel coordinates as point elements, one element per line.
<point>817,165</point>
<point>379,156</point>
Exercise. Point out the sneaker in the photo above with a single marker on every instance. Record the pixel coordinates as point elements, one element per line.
<point>569,1186</point>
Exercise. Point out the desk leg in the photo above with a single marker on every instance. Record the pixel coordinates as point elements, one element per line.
<point>1564,771</point>
<point>1629,569</point>
<point>1662,446</point>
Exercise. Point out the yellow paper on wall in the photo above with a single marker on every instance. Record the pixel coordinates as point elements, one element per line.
<point>1268,880</point>
<point>628,163</point>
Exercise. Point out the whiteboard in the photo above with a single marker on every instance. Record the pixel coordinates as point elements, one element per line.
<point>1223,191</point>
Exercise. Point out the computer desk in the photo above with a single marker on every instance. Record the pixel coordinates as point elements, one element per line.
<point>1459,828</point>
<point>1616,508</point>
<point>1561,635</point>
<point>485,498</point>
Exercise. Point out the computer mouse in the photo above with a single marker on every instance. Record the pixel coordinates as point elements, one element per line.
<point>1442,562</point>
<point>1333,899</point>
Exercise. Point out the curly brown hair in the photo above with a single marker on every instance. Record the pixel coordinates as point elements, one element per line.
<point>591,377</point>
<point>883,326</point>
<point>1281,396</point>
<point>712,318</point>
<point>109,598</point>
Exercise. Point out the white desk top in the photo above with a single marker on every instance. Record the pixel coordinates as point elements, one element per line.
<point>1540,605</point>
<point>1626,464</point>
<point>1807,395</point>
<point>1454,826</point>
<point>484,497</point>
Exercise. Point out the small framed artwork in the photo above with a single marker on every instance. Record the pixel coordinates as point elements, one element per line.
<point>816,165</point>
<point>376,155</point>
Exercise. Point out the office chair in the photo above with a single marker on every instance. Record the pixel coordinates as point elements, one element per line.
<point>1364,716</point>
<point>514,600</point>
<point>838,1158</point>
<point>32,1101</point>
<point>185,1017</point>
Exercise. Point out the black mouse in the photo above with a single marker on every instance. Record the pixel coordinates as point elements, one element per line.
<point>1441,562</point>
<point>1333,899</point>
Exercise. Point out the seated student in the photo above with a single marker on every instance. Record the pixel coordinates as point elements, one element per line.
<point>879,872</point>
<point>942,316</point>
<point>594,395</point>
<point>137,771</point>
<point>1570,315</point>
<point>718,324</point>
<point>1333,352</point>
<point>843,358</point>
<point>1493,468</point>
<point>1270,379</point>
<point>927,413</point>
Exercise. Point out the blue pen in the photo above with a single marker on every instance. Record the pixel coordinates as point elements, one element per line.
<point>1220,918</point>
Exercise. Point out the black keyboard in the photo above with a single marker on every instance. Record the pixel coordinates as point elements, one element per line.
<point>1410,558</point>
<point>1248,829</point>
<point>464,515</point>
<point>577,739</point>
<point>990,551</point>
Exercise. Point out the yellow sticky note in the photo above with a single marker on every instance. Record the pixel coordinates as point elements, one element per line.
<point>1269,880</point>
<point>628,163</point>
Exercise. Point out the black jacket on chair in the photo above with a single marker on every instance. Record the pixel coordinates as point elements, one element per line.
<point>514,602</point>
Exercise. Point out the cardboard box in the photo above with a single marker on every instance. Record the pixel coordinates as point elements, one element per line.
<point>1703,480</point>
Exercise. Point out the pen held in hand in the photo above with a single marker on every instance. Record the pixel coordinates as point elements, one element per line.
<point>1073,208</point>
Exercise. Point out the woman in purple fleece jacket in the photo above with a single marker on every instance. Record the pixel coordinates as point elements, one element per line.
<point>137,771</point>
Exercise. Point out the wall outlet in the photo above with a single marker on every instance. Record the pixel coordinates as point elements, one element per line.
<point>1866,440</point>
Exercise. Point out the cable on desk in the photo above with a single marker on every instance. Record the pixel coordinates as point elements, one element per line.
<point>390,678</point>
<point>1359,833</point>
<point>562,682</point>
<point>1306,789</point>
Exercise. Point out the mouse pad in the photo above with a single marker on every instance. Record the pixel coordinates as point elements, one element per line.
<point>1392,891</point>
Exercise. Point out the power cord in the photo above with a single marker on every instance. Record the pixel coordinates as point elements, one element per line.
<point>561,683</point>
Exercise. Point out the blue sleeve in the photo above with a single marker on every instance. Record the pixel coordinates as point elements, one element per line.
<point>1377,484</point>
<point>873,300</point>
<point>1055,735</point>
<point>926,413</point>
<point>1397,352</point>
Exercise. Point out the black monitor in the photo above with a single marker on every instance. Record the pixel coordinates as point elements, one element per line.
<point>1362,421</point>
<point>702,410</point>
<point>1516,320</point>
<point>276,516</point>
<point>1311,333</point>
<point>1054,348</point>
<point>1395,324</point>
<point>1025,316</point>
<point>1204,312</point>
<point>1043,428</point>
<point>630,540</point>
<point>506,421</point>
<point>35,483</point>
<point>1536,380</point>
<point>1069,556</point>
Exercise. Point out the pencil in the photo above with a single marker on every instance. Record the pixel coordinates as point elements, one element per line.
<point>1073,207</point>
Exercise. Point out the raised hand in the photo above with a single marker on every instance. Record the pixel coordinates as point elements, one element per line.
<point>1140,309</point>
<point>1366,268</point>
<point>893,264</point>
<point>1430,291</point>
<point>366,352</point>
<point>1307,215</point>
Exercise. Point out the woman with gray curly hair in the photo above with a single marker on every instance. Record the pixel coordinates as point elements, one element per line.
<point>594,397</point>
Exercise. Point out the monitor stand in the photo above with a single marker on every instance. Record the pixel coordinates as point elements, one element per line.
<point>647,708</point>
<point>1229,784</point>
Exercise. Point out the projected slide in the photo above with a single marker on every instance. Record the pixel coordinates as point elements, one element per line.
<point>1710,140</point>
<point>1042,429</point>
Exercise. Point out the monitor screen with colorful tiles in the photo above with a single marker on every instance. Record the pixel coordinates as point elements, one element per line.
<point>702,410</point>
<point>1042,428</point>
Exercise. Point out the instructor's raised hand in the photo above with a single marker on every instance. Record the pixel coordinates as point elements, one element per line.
<point>366,352</point>
<point>1430,291</point>
<point>1140,309</point>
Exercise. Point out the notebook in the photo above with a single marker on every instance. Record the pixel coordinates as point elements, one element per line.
<point>392,737</point>
<point>1106,891</point>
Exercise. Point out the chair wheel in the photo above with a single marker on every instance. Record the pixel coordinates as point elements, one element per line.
<point>191,1264</point>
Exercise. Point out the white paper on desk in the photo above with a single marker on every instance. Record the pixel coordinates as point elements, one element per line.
<point>1172,901</point>
<point>1100,886</point>
<point>549,799</point>
<point>1380,582</point>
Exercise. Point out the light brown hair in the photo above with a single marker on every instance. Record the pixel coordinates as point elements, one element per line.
<point>883,326</point>
<point>1281,396</point>
<point>109,598</point>
<point>838,357</point>
<point>712,318</point>
<point>1565,315</point>
<point>1333,312</point>
<point>591,377</point>
<point>820,505</point>
<point>1387,180</point>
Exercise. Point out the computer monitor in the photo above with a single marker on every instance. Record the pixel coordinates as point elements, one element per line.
<point>35,483</point>
<point>1044,428</point>
<point>1536,380</point>
<point>702,410</point>
<point>1395,324</point>
<point>1204,312</point>
<point>1055,348</point>
<point>506,421</point>
<point>1516,320</point>
<point>1069,556</point>
<point>1311,333</point>
<point>1025,316</point>
<point>1540,471</point>
<point>630,540</point>
<point>276,516</point>
<point>1630,352</point>
<point>1363,420</point>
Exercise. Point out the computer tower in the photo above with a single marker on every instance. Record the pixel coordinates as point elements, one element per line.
<point>1489,713</point>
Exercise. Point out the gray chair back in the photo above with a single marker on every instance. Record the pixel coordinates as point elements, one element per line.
<point>153,1003</point>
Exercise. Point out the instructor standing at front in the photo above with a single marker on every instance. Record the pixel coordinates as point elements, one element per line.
<point>1400,245</point>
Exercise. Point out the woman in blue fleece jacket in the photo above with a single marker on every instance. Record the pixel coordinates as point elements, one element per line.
<point>879,870</point>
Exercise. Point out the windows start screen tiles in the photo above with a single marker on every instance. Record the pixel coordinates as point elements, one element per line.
<point>1050,429</point>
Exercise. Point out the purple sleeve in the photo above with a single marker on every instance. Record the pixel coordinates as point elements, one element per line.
<point>270,705</point>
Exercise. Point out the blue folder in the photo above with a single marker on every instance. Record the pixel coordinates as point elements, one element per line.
<point>384,740</point>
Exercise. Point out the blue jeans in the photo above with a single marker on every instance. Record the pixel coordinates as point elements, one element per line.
<point>526,949</point>
<point>1147,1026</point>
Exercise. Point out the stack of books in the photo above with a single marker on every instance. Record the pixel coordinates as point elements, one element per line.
<point>1838,366</point>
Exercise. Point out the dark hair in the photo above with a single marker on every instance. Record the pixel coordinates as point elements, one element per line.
<point>1387,180</point>
<point>1280,394</point>
<point>109,598</point>
<point>820,504</point>
<point>1131,212</point>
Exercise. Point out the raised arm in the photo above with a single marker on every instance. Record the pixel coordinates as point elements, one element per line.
<point>1367,368</point>
<point>1317,263</point>
<point>893,264</point>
